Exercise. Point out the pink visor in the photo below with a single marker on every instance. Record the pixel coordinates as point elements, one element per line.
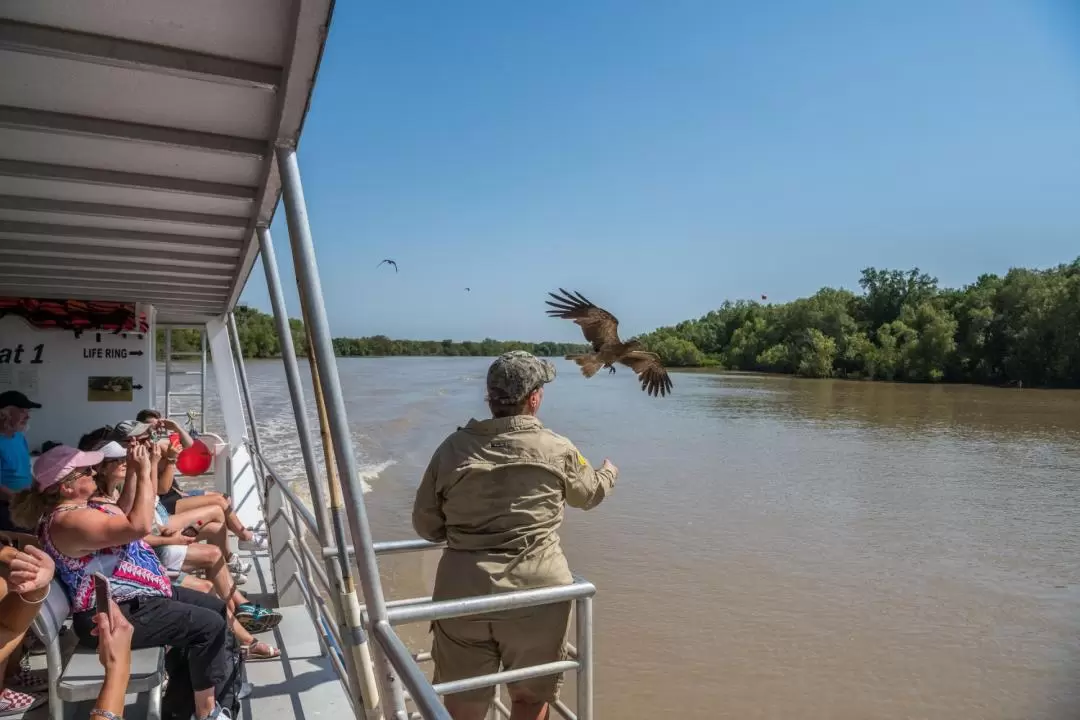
<point>53,466</point>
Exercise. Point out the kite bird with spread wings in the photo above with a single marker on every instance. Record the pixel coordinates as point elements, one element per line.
<point>601,329</point>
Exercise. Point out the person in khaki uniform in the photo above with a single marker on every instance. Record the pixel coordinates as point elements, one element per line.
<point>494,491</point>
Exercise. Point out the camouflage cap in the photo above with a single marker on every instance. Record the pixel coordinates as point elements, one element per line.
<point>515,374</point>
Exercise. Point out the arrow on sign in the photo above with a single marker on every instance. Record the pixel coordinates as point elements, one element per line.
<point>136,387</point>
<point>135,352</point>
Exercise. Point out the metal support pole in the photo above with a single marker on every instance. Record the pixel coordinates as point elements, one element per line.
<point>241,371</point>
<point>584,621</point>
<point>202,378</point>
<point>322,349</point>
<point>363,682</point>
<point>168,369</point>
<point>292,378</point>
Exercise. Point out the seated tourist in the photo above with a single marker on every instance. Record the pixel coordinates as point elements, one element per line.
<point>216,507</point>
<point>172,497</point>
<point>84,536</point>
<point>181,554</point>
<point>14,452</point>
<point>210,519</point>
<point>24,584</point>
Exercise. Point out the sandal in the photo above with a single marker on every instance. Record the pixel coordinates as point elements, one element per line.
<point>258,650</point>
<point>16,703</point>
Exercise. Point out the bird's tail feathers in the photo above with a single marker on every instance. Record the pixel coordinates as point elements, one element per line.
<point>589,364</point>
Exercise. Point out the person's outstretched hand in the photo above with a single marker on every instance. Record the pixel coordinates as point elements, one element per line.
<point>113,632</point>
<point>609,466</point>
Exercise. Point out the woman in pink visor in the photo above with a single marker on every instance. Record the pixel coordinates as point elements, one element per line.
<point>84,536</point>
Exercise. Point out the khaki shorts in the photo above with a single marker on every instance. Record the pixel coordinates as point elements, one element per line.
<point>478,645</point>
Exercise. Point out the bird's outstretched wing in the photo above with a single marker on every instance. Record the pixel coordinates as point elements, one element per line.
<point>598,325</point>
<point>654,378</point>
<point>389,262</point>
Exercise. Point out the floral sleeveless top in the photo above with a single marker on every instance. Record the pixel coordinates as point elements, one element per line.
<point>133,569</point>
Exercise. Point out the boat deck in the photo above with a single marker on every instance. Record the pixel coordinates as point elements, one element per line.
<point>299,685</point>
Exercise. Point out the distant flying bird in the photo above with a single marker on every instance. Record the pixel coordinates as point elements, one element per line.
<point>601,329</point>
<point>468,289</point>
<point>764,297</point>
<point>390,262</point>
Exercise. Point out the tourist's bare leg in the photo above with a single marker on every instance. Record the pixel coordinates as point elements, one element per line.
<point>209,559</point>
<point>463,709</point>
<point>211,519</point>
<point>196,501</point>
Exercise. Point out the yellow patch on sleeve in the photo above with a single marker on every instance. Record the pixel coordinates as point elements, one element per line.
<point>581,459</point>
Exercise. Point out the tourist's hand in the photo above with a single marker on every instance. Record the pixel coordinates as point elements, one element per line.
<point>113,632</point>
<point>180,539</point>
<point>169,424</point>
<point>31,569</point>
<point>608,465</point>
<point>139,457</point>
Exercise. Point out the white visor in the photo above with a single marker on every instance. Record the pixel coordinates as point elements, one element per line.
<point>112,450</point>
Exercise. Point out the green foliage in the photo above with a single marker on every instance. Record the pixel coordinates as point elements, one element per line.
<point>380,345</point>
<point>259,339</point>
<point>1020,328</point>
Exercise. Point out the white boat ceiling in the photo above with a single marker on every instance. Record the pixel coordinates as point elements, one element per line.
<point>136,144</point>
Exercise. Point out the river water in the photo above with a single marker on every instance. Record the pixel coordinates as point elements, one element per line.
<point>777,548</point>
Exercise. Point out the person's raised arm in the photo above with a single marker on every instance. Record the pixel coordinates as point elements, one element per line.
<point>427,515</point>
<point>165,466</point>
<point>586,487</point>
<point>127,495</point>
<point>85,531</point>
<point>173,426</point>
<point>114,633</point>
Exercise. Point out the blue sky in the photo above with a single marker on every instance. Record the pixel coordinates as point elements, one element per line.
<point>661,157</point>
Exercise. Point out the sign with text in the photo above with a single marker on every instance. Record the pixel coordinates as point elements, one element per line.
<point>82,381</point>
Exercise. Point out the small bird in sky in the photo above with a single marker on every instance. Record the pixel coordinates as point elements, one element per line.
<point>764,297</point>
<point>468,289</point>
<point>601,329</point>
<point>389,262</point>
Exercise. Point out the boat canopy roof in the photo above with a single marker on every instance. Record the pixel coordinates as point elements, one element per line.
<point>136,144</point>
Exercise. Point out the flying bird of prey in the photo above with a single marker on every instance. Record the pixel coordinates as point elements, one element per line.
<point>468,289</point>
<point>601,329</point>
<point>389,262</point>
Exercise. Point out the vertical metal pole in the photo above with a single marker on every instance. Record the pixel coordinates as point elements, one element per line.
<point>202,377</point>
<point>584,624</point>
<point>168,369</point>
<point>338,570</point>
<point>238,353</point>
<point>349,601</point>
<point>307,275</point>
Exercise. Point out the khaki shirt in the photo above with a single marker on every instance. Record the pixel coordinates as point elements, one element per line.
<point>495,491</point>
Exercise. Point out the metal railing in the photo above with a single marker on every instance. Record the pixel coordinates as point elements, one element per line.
<point>423,694</point>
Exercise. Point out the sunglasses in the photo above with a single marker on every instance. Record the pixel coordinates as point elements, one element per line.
<point>78,475</point>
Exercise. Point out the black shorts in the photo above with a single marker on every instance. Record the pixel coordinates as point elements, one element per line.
<point>168,500</point>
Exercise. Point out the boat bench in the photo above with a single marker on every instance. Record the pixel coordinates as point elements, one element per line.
<point>81,679</point>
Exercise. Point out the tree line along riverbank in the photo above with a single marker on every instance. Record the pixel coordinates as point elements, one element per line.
<point>1020,328</point>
